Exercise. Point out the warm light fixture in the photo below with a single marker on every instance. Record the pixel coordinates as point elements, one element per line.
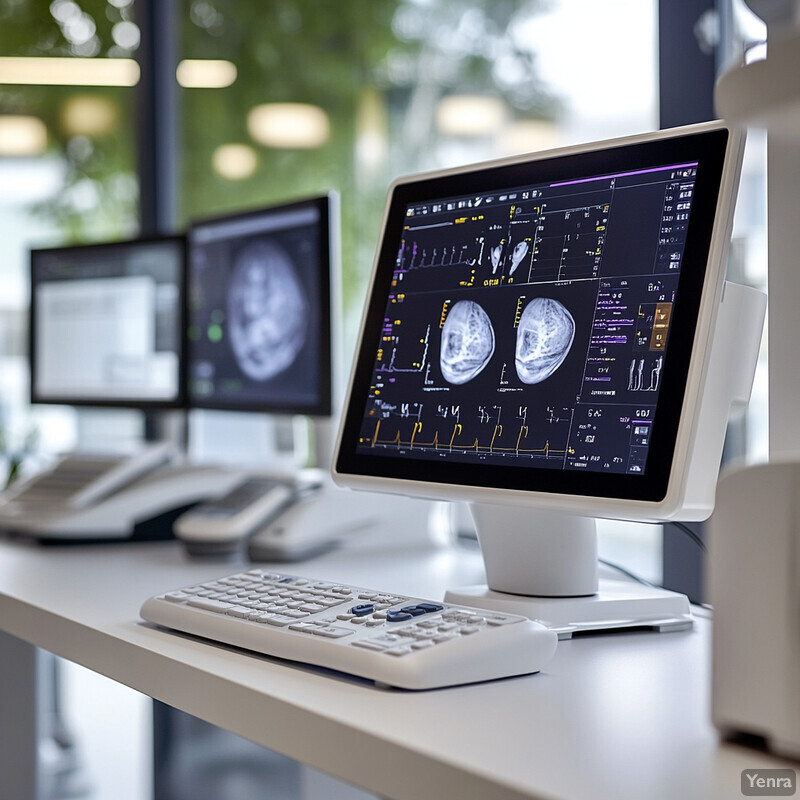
<point>22,135</point>
<point>193,73</point>
<point>470,115</point>
<point>235,162</point>
<point>371,129</point>
<point>69,71</point>
<point>85,115</point>
<point>289,125</point>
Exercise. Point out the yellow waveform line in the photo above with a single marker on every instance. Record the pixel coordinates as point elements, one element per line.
<point>519,438</point>
<point>456,431</point>
<point>546,450</point>
<point>498,431</point>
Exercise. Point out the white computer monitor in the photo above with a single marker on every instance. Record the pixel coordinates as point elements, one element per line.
<point>537,342</point>
<point>106,323</point>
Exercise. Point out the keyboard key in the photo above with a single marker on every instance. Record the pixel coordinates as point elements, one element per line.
<point>209,605</point>
<point>177,597</point>
<point>331,632</point>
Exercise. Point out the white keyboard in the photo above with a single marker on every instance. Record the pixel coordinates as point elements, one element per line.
<point>390,639</point>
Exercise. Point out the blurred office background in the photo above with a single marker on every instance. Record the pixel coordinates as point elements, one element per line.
<point>160,111</point>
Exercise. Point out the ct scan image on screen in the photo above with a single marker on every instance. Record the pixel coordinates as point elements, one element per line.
<point>259,310</point>
<point>530,326</point>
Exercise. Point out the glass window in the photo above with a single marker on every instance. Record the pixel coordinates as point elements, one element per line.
<point>292,97</point>
<point>67,166</point>
<point>348,95</point>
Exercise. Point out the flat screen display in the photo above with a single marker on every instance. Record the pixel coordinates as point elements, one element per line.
<point>106,324</point>
<point>259,335</point>
<point>530,324</point>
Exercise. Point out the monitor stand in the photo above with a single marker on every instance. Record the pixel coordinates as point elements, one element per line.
<point>543,565</point>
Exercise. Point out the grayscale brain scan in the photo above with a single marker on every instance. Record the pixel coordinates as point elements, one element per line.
<point>519,252</point>
<point>467,342</point>
<point>267,310</point>
<point>544,336</point>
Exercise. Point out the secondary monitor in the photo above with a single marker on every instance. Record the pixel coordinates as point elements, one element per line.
<point>537,341</point>
<point>259,317</point>
<point>106,323</point>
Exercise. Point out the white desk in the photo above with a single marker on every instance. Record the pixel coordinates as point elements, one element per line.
<point>611,718</point>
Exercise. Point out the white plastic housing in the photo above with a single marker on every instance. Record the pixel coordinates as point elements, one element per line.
<point>754,561</point>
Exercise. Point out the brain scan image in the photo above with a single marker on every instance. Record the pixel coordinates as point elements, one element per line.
<point>267,311</point>
<point>467,342</point>
<point>544,336</point>
<point>496,254</point>
<point>519,252</point>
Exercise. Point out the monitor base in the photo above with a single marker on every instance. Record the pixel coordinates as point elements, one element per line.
<point>618,605</point>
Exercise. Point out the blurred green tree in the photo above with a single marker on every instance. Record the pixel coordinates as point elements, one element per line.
<point>378,68</point>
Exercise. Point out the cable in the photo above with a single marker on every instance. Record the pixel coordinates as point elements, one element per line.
<point>690,533</point>
<point>632,575</point>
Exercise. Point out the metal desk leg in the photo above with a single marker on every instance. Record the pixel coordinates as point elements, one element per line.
<point>18,719</point>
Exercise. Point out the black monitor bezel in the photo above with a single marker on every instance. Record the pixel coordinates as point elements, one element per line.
<point>709,147</point>
<point>324,402</point>
<point>134,403</point>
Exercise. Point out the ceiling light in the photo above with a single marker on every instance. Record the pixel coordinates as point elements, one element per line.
<point>470,115</point>
<point>235,162</point>
<point>69,71</point>
<point>371,129</point>
<point>193,73</point>
<point>289,125</point>
<point>22,136</point>
<point>85,115</point>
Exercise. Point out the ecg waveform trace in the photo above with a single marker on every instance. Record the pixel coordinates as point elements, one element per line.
<point>414,255</point>
<point>404,428</point>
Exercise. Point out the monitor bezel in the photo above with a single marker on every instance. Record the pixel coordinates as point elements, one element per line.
<point>134,403</point>
<point>323,406</point>
<point>718,149</point>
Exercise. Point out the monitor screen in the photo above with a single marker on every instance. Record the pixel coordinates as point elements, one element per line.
<point>531,323</point>
<point>259,316</point>
<point>106,324</point>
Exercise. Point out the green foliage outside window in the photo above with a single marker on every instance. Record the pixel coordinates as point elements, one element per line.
<point>379,63</point>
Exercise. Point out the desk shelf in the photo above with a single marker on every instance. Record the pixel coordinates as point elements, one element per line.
<point>610,718</point>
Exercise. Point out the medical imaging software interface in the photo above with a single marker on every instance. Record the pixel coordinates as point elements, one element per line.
<point>107,322</point>
<point>530,326</point>
<point>255,322</point>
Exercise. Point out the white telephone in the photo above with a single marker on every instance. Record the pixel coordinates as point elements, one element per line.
<point>87,497</point>
<point>223,525</point>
